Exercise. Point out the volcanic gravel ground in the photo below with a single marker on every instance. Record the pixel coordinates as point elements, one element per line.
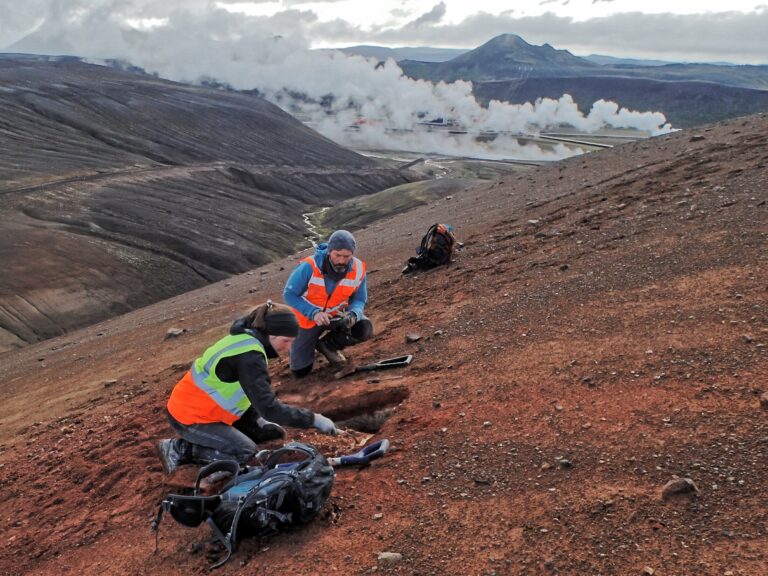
<point>602,331</point>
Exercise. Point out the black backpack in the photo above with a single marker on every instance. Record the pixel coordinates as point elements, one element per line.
<point>259,500</point>
<point>436,249</point>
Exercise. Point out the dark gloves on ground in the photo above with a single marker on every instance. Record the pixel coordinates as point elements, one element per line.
<point>325,425</point>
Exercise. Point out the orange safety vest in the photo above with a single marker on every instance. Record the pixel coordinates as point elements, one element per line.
<point>200,397</point>
<point>317,295</point>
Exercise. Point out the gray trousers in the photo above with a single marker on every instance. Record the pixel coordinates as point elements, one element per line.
<point>303,348</point>
<point>204,443</point>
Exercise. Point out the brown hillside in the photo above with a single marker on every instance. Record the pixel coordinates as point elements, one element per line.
<point>120,190</point>
<point>604,329</point>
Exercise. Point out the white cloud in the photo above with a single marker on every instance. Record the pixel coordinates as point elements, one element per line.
<point>434,16</point>
<point>708,30</point>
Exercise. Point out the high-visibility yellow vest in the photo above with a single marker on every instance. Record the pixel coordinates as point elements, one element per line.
<point>201,398</point>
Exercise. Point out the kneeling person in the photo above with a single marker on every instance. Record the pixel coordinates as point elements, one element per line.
<point>224,405</point>
<point>331,285</point>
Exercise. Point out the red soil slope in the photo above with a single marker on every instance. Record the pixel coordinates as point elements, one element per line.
<point>609,311</point>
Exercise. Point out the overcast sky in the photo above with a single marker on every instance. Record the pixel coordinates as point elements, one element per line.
<point>680,30</point>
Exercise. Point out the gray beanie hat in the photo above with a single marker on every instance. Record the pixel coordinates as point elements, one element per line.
<point>342,240</point>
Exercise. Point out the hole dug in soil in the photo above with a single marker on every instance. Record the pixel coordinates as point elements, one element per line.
<point>364,408</point>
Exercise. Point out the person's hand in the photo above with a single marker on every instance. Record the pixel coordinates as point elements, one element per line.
<point>322,318</point>
<point>325,425</point>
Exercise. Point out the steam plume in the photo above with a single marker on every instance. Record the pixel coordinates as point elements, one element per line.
<point>327,88</point>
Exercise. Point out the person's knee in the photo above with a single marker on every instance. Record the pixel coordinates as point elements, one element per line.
<point>362,330</point>
<point>244,449</point>
<point>301,372</point>
<point>242,455</point>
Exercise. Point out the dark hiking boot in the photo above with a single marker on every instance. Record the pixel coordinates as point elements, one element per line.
<point>169,456</point>
<point>335,358</point>
<point>269,431</point>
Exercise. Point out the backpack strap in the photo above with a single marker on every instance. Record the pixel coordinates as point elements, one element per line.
<point>189,510</point>
<point>225,541</point>
<point>196,508</point>
<point>255,496</point>
<point>426,239</point>
<point>231,466</point>
<point>309,451</point>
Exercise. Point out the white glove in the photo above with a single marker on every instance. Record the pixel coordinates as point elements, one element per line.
<point>325,425</point>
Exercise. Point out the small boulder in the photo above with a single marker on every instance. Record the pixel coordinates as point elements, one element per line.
<point>679,486</point>
<point>412,337</point>
<point>390,557</point>
<point>174,332</point>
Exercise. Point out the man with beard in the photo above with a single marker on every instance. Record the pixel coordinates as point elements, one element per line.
<point>328,292</point>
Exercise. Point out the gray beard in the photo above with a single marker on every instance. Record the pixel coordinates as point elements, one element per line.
<point>339,268</point>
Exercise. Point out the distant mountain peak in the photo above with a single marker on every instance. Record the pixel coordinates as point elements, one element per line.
<point>509,56</point>
<point>507,38</point>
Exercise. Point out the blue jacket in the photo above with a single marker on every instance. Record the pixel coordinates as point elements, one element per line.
<point>297,283</point>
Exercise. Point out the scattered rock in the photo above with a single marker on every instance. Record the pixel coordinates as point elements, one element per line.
<point>378,516</point>
<point>747,338</point>
<point>764,400</point>
<point>174,332</point>
<point>412,337</point>
<point>649,571</point>
<point>695,138</point>
<point>565,463</point>
<point>487,424</point>
<point>678,486</point>
<point>390,557</point>
<point>109,383</point>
